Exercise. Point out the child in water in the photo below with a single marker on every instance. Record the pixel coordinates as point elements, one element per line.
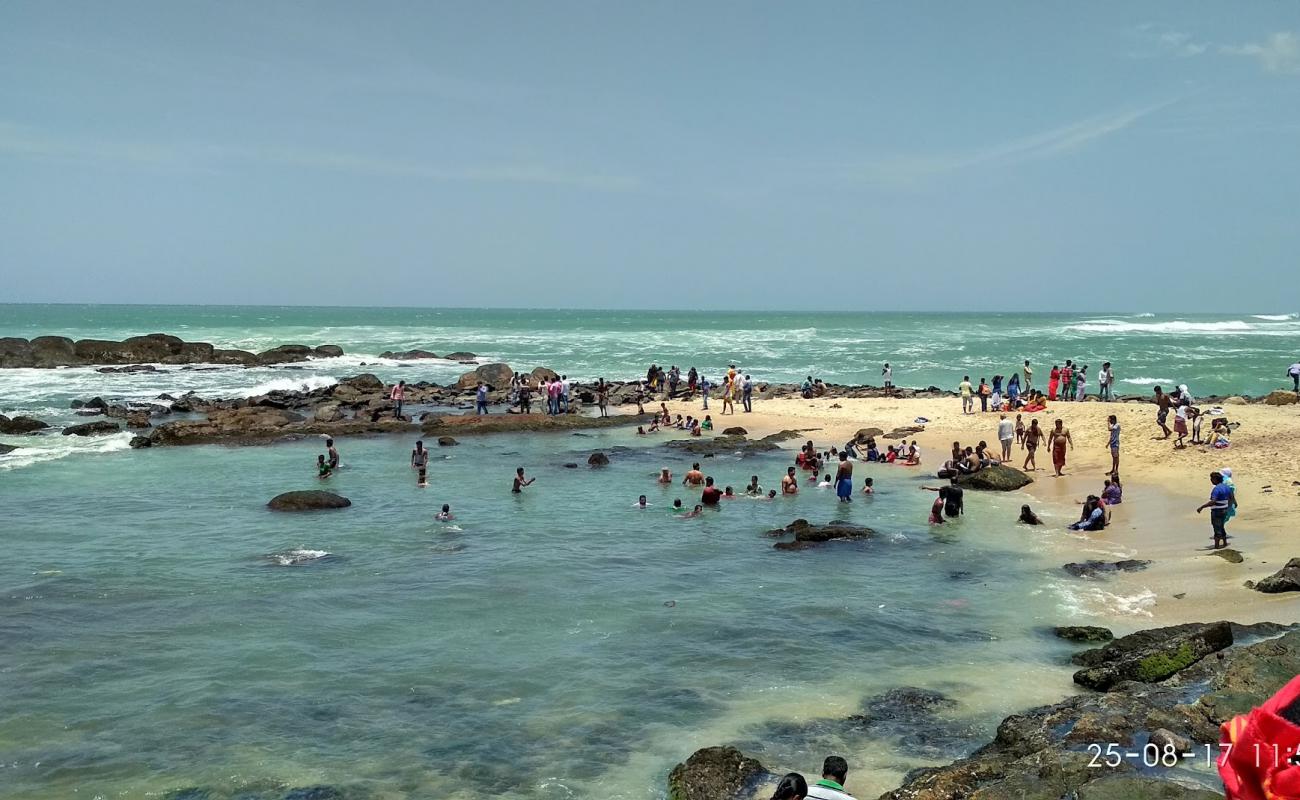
<point>868,486</point>
<point>1028,517</point>
<point>323,470</point>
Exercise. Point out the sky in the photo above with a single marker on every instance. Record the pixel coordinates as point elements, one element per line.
<point>834,155</point>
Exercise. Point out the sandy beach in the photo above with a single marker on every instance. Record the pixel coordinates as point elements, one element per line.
<point>1162,488</point>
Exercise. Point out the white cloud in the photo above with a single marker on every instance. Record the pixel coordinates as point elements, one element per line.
<point>22,141</point>
<point>1058,141</point>
<point>1155,41</point>
<point>1280,52</point>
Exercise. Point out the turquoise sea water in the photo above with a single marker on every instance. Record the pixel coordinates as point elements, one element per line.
<point>154,634</point>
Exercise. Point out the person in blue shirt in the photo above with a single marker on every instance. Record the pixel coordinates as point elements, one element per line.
<point>1222,498</point>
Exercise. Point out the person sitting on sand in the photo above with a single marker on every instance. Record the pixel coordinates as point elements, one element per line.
<point>868,486</point>
<point>753,488</point>
<point>1028,517</point>
<point>445,514</point>
<point>693,477</point>
<point>1113,493</point>
<point>323,470</point>
<point>789,484</point>
<point>664,476</point>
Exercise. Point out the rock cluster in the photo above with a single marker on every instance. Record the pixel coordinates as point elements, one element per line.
<point>154,348</point>
<point>808,535</point>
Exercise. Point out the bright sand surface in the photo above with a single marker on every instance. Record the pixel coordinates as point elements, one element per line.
<point>1162,488</point>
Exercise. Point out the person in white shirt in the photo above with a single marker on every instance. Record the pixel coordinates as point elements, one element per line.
<point>888,375</point>
<point>1294,372</point>
<point>831,786</point>
<point>1006,435</point>
<point>1105,383</point>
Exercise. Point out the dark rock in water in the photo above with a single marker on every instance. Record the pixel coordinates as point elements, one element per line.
<point>6,449</point>
<point>138,419</point>
<point>21,425</point>
<point>1229,555</point>
<point>781,436</point>
<point>716,773</point>
<point>407,355</point>
<point>905,702</point>
<point>1286,579</point>
<point>447,441</point>
<point>1151,656</point>
<point>720,445</point>
<point>285,353</point>
<point>1083,633</point>
<point>139,442</point>
<point>307,501</point>
<point>808,535</point>
<point>460,356</point>
<point>735,431</point>
<point>90,412</point>
<point>315,793</point>
<point>327,351</point>
<point>1093,569</point>
<point>1163,737</point>
<point>571,465</point>
<point>92,428</point>
<point>133,368</point>
<point>597,459</point>
<point>995,478</point>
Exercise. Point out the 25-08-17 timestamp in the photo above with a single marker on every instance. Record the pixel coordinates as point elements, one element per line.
<point>1153,755</point>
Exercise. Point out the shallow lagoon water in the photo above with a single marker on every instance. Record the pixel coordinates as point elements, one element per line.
<point>555,644</point>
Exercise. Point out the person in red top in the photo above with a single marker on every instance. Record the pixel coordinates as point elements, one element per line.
<point>1053,381</point>
<point>711,494</point>
<point>1260,749</point>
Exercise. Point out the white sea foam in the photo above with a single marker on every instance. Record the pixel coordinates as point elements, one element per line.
<point>1275,317</point>
<point>1148,381</point>
<point>304,383</point>
<point>1092,600</point>
<point>297,557</point>
<point>49,447</point>
<point>1175,326</point>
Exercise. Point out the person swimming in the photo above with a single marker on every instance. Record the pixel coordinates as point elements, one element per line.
<point>695,512</point>
<point>1028,517</point>
<point>445,514</point>
<point>677,506</point>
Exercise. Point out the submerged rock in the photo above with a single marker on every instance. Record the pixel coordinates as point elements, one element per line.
<point>722,445</point>
<point>808,535</point>
<point>447,441</point>
<point>1286,579</point>
<point>6,449</point>
<point>1083,633</point>
<point>311,500</point>
<point>597,459</point>
<point>1093,569</point>
<point>716,773</point>
<point>995,478</point>
<point>1150,656</point>
<point>92,428</point>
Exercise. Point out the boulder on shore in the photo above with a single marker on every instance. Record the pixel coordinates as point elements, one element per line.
<point>92,428</point>
<point>1094,569</point>
<point>21,424</point>
<point>496,376</point>
<point>1286,579</point>
<point>995,478</point>
<point>307,501</point>
<point>716,773</point>
<point>735,430</point>
<point>1083,633</point>
<point>1281,397</point>
<point>864,434</point>
<point>544,374</point>
<point>1150,656</point>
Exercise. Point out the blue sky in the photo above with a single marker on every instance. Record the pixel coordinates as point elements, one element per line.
<point>931,156</point>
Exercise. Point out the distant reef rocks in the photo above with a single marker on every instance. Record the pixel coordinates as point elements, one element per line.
<point>154,348</point>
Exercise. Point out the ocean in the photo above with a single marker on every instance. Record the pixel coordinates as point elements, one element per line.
<point>161,631</point>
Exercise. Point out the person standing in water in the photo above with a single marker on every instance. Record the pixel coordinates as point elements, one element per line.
<point>517,487</point>
<point>1059,439</point>
<point>333,454</point>
<point>789,484</point>
<point>844,479</point>
<point>420,463</point>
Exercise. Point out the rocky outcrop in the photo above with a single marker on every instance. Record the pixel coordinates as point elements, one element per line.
<point>1281,398</point>
<point>447,441</point>
<point>128,370</point>
<point>1150,656</point>
<point>496,376</point>
<point>808,535</point>
<point>1095,569</point>
<point>259,424</point>
<point>716,773</point>
<point>460,355</point>
<point>499,423</point>
<point>1286,579</point>
<point>6,449</point>
<point>1083,633</point>
<point>153,348</point>
<point>312,500</point>
<point>98,428</point>
<point>543,374</point>
<point>995,478</point>
<point>407,355</point>
<point>722,445</point>
<point>21,425</point>
<point>864,434</point>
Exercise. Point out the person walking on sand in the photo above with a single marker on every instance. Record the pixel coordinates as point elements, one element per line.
<point>704,391</point>
<point>967,398</point>
<point>420,463</point>
<point>1059,438</point>
<point>517,486</point>
<point>844,479</point>
<point>1221,499</point>
<point>1112,424</point>
<point>1029,377</point>
<point>1081,383</point>
<point>1033,437</point>
<point>1163,404</point>
<point>397,395</point>
<point>1006,435</point>
<point>728,396</point>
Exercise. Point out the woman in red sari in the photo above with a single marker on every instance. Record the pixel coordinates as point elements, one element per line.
<point>1053,380</point>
